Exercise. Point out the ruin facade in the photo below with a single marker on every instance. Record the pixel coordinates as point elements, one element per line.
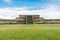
<point>29,19</point>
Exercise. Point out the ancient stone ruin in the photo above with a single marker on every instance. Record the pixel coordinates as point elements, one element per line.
<point>29,19</point>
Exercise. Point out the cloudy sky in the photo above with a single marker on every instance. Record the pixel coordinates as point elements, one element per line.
<point>10,9</point>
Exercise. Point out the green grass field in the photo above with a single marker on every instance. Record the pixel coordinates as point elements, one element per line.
<point>30,32</point>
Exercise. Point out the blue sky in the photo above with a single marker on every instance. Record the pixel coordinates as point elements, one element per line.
<point>46,8</point>
<point>23,3</point>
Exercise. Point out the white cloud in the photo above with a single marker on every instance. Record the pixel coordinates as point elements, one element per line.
<point>12,12</point>
<point>8,1</point>
<point>51,12</point>
<point>9,13</point>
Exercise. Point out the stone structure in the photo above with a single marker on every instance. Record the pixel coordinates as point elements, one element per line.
<point>27,19</point>
<point>30,19</point>
<point>36,19</point>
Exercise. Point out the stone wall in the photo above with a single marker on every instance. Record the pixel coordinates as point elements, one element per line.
<point>29,19</point>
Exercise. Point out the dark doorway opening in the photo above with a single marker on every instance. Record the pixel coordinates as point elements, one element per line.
<point>29,19</point>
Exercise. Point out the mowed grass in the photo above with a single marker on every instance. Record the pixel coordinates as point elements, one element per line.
<point>29,31</point>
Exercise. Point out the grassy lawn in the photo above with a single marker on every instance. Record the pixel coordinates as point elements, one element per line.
<point>30,32</point>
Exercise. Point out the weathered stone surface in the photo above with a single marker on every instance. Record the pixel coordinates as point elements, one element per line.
<point>29,19</point>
